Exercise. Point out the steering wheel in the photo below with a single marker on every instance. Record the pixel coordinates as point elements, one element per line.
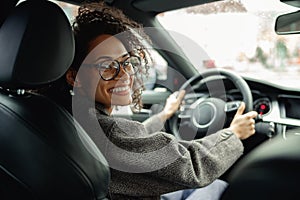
<point>209,113</point>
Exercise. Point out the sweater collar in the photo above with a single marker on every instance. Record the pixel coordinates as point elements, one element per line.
<point>101,109</point>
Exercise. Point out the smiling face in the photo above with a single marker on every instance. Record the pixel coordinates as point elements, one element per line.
<point>112,92</point>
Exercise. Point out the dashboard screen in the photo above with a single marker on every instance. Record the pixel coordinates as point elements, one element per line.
<point>291,105</point>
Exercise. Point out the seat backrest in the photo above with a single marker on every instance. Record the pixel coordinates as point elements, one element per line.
<point>5,8</point>
<point>44,152</point>
<point>271,171</point>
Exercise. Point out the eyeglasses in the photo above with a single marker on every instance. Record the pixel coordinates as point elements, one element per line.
<point>109,69</point>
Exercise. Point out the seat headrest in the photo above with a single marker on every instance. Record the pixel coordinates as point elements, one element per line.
<point>6,7</point>
<point>36,45</point>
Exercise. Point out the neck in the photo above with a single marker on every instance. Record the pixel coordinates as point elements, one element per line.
<point>109,109</point>
<point>105,109</point>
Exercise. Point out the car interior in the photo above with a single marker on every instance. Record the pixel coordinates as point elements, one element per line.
<point>46,154</point>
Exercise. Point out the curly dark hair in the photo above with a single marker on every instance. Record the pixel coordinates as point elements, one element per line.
<point>95,19</point>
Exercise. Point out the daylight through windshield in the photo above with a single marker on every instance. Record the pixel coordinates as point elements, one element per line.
<point>239,35</point>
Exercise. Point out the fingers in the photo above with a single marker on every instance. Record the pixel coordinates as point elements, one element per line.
<point>175,94</point>
<point>243,125</point>
<point>253,128</point>
<point>251,114</point>
<point>180,95</point>
<point>241,109</point>
<point>173,103</point>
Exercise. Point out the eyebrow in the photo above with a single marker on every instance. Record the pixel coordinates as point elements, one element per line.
<point>110,58</point>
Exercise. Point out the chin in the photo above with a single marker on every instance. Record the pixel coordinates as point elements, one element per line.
<point>122,101</point>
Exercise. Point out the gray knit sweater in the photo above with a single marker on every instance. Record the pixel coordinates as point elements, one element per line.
<point>146,162</point>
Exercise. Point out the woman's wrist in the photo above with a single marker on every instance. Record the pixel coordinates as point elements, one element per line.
<point>163,116</point>
<point>234,132</point>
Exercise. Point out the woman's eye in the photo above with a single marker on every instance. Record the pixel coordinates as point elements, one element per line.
<point>126,63</point>
<point>107,65</point>
<point>136,64</point>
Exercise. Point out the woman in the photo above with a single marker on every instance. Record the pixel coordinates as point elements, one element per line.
<point>145,163</point>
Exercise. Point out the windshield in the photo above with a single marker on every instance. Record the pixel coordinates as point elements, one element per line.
<point>239,35</point>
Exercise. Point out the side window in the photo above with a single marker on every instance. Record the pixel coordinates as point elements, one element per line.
<point>69,9</point>
<point>158,70</point>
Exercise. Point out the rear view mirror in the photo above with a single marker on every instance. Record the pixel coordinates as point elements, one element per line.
<point>288,23</point>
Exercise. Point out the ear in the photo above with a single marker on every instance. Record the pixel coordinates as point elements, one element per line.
<point>71,78</point>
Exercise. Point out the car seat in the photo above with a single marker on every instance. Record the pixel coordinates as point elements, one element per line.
<point>271,171</point>
<point>44,152</point>
<point>6,7</point>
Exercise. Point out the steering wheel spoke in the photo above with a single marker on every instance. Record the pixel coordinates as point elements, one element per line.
<point>232,106</point>
<point>185,114</point>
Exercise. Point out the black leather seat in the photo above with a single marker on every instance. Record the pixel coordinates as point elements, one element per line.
<point>44,153</point>
<point>271,171</point>
<point>6,7</point>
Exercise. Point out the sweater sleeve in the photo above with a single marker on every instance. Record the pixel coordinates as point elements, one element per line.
<point>159,163</point>
<point>153,124</point>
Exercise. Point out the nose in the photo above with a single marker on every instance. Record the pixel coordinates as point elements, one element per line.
<point>123,75</point>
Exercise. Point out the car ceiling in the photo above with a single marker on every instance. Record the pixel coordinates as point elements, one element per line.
<point>295,3</point>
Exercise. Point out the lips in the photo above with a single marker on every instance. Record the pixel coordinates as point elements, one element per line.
<point>121,88</point>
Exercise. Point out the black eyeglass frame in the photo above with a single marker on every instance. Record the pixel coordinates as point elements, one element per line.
<point>119,67</point>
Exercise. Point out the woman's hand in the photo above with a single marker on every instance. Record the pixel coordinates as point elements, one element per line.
<point>243,125</point>
<point>172,105</point>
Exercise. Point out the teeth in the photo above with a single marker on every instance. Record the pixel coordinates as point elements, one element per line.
<point>120,89</point>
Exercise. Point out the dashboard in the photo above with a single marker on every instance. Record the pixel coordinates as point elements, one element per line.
<point>261,104</point>
<point>279,107</point>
